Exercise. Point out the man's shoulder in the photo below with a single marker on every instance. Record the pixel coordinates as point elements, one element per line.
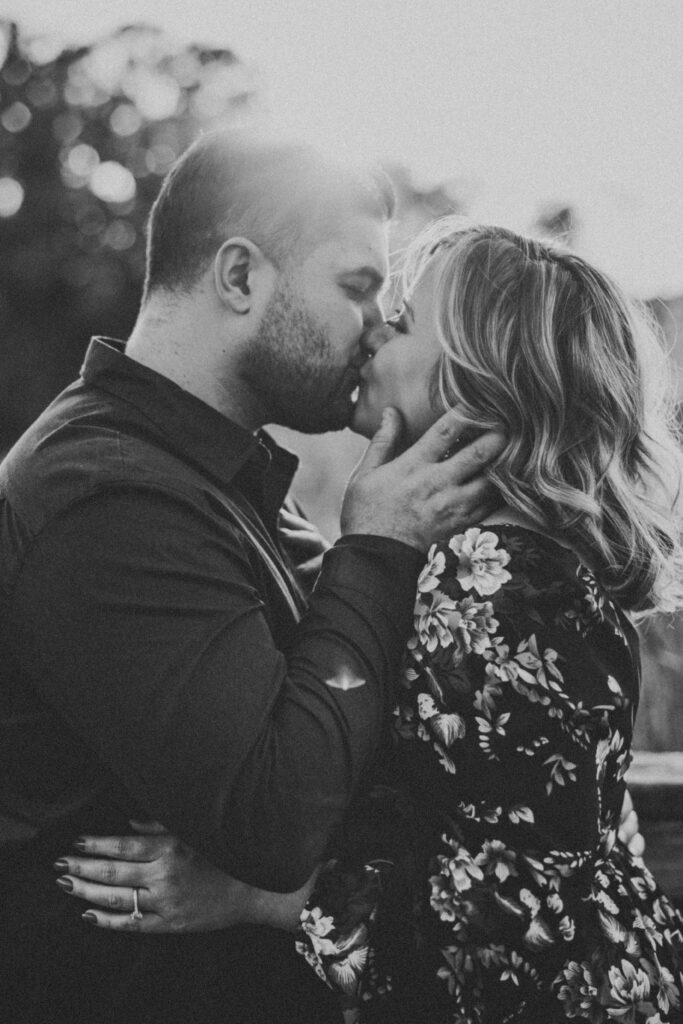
<point>83,443</point>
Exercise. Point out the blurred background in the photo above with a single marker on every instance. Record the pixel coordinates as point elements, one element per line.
<point>560,118</point>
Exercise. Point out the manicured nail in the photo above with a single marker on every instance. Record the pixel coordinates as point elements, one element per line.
<point>66,884</point>
<point>89,917</point>
<point>80,844</point>
<point>61,865</point>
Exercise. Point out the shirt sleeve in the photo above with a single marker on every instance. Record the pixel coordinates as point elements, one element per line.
<point>139,617</point>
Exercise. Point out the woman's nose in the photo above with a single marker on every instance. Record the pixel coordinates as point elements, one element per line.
<point>374,339</point>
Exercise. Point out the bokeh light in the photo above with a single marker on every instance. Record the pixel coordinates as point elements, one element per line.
<point>11,197</point>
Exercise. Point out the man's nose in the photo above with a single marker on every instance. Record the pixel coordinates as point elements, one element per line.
<point>372,315</point>
<point>374,339</point>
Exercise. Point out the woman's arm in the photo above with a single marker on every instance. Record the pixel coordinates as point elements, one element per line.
<point>177,890</point>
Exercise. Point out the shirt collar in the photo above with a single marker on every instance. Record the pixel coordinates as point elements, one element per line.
<point>197,430</point>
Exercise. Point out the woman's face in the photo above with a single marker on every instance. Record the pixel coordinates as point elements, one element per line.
<point>399,373</point>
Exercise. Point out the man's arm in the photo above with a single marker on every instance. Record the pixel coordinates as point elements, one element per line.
<point>157,651</point>
<point>138,617</point>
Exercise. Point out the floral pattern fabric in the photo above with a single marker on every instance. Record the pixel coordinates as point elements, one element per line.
<point>480,879</point>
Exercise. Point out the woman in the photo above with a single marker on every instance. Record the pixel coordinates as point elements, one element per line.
<point>480,877</point>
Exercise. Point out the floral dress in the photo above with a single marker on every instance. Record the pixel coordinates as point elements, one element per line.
<point>479,878</point>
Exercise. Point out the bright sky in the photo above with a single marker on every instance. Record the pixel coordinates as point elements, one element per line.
<point>525,102</point>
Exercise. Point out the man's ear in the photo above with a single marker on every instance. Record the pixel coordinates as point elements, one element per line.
<point>236,269</point>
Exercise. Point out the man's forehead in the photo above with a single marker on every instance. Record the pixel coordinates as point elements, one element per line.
<point>357,244</point>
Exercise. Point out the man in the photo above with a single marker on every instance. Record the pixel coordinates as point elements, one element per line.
<point>153,660</point>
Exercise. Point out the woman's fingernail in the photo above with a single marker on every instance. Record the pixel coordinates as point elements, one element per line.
<point>61,865</point>
<point>89,917</point>
<point>66,884</point>
<point>80,844</point>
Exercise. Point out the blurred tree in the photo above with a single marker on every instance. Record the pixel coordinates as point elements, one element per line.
<point>85,138</point>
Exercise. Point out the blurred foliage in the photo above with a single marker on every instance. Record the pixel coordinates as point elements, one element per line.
<point>86,136</point>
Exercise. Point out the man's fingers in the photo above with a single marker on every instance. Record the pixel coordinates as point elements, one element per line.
<point>106,872</point>
<point>141,848</point>
<point>471,460</point>
<point>440,437</point>
<point>383,445</point>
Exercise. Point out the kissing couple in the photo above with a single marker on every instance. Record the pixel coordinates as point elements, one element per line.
<point>389,790</point>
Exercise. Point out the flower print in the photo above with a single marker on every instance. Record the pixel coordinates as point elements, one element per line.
<point>457,871</point>
<point>430,576</point>
<point>313,960</point>
<point>496,859</point>
<point>470,625</point>
<point>629,992</point>
<point>481,565</point>
<point>579,993</point>
<point>426,706</point>
<point>669,993</point>
<point>313,922</point>
<point>432,621</point>
<point>513,966</point>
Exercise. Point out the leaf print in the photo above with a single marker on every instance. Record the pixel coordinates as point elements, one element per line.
<point>481,566</point>
<point>346,973</point>
<point>444,760</point>
<point>431,573</point>
<point>521,813</point>
<point>509,906</point>
<point>510,972</point>
<point>614,685</point>
<point>448,728</point>
<point>560,770</point>
<point>538,935</point>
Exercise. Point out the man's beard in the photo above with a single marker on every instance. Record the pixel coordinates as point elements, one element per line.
<point>289,366</point>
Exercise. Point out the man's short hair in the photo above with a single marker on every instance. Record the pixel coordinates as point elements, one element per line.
<point>285,197</point>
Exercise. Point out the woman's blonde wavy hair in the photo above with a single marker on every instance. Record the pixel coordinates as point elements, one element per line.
<point>541,345</point>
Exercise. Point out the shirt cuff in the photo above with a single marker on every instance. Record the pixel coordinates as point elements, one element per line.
<point>381,569</point>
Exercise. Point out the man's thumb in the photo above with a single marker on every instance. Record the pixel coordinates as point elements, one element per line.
<point>383,445</point>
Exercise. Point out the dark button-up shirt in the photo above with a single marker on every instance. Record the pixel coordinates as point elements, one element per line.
<point>152,661</point>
